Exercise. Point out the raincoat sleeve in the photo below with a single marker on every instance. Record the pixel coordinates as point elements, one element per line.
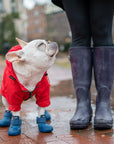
<point>43,93</point>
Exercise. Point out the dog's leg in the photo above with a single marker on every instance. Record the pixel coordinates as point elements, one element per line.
<point>14,122</point>
<point>41,121</point>
<point>15,127</point>
<point>16,113</point>
<point>41,111</point>
<point>6,120</point>
<point>5,103</point>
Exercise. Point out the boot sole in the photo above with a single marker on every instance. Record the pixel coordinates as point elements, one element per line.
<point>77,127</point>
<point>14,134</point>
<point>4,125</point>
<point>103,126</point>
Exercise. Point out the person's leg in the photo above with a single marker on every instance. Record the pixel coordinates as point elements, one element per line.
<point>101,22</point>
<point>77,12</point>
<point>103,55</point>
<point>80,58</point>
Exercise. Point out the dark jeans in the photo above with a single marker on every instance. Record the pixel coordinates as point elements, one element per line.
<point>90,19</point>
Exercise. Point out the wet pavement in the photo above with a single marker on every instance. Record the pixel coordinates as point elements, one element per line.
<point>62,108</point>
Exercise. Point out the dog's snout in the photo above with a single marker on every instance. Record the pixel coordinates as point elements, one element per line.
<point>53,45</point>
<point>52,49</point>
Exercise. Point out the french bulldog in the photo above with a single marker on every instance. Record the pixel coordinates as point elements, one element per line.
<point>25,76</point>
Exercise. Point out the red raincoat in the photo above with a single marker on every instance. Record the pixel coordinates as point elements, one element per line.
<point>16,93</point>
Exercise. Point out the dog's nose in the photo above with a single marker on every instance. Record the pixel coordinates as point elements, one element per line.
<point>53,46</point>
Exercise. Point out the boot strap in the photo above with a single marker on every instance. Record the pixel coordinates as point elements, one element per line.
<point>8,114</point>
<point>16,122</point>
<point>40,120</point>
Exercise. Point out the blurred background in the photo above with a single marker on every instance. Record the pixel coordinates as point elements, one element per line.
<point>32,19</point>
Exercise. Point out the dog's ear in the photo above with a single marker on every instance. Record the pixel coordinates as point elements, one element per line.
<point>15,56</point>
<point>21,42</point>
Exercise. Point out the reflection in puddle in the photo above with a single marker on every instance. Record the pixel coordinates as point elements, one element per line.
<point>110,134</point>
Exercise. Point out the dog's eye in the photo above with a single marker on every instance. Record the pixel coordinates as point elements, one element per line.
<point>41,47</point>
<point>41,44</point>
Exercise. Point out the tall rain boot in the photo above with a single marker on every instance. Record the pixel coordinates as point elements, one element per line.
<point>104,75</point>
<point>81,64</point>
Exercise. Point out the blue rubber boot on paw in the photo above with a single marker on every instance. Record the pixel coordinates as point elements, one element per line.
<point>47,115</point>
<point>6,120</point>
<point>15,127</point>
<point>42,125</point>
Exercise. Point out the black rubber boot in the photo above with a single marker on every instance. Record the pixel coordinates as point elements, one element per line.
<point>81,64</point>
<point>104,75</point>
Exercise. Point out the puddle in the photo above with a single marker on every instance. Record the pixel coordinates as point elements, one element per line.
<point>111,133</point>
<point>64,88</point>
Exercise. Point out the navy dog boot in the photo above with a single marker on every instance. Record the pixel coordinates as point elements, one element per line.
<point>47,115</point>
<point>104,76</point>
<point>15,127</point>
<point>6,120</point>
<point>81,64</point>
<point>42,125</point>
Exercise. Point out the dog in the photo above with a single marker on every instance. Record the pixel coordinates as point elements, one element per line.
<point>25,75</point>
